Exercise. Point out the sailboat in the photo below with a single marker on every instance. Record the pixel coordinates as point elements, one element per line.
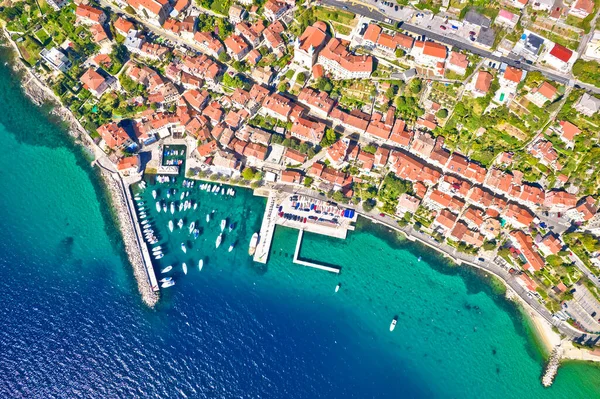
<point>172,208</point>
<point>184,266</point>
<point>171,226</point>
<point>192,225</point>
<point>180,223</point>
<point>200,264</point>
<point>219,239</point>
<point>166,269</point>
<point>223,224</point>
<point>158,206</point>
<point>154,194</point>
<point>183,248</point>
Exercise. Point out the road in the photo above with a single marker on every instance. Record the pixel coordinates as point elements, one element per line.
<point>487,265</point>
<point>515,62</point>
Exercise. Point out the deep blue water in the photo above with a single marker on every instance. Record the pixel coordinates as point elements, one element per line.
<point>73,324</point>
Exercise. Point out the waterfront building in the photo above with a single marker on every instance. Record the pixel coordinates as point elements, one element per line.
<point>94,82</point>
<point>524,243</point>
<point>56,59</point>
<point>114,136</point>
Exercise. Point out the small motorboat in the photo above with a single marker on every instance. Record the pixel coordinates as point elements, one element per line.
<point>164,280</point>
<point>154,194</point>
<point>171,226</point>
<point>222,191</point>
<point>172,208</point>
<point>219,240</point>
<point>158,208</point>
<point>145,222</point>
<point>166,269</point>
<point>183,248</point>
<point>180,223</point>
<point>207,217</point>
<point>418,260</point>
<point>192,226</point>
<point>184,267</point>
<point>393,324</point>
<point>196,233</point>
<point>159,256</point>
<point>231,227</point>
<point>253,244</point>
<point>195,205</point>
<point>137,198</point>
<point>164,207</point>
<point>168,284</point>
<point>200,264</point>
<point>231,247</point>
<point>223,224</point>
<point>337,287</point>
<point>180,206</point>
<point>181,196</point>
<point>156,249</point>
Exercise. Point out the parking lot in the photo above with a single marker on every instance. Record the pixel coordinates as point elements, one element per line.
<point>584,308</point>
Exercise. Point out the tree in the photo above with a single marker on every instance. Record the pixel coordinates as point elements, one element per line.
<point>442,113</point>
<point>400,53</point>
<point>415,86</point>
<point>324,84</point>
<point>308,181</point>
<point>329,138</point>
<point>283,87</point>
<point>338,196</point>
<point>371,149</point>
<point>301,77</point>
<point>232,81</point>
<point>248,174</point>
<point>368,205</point>
<point>224,57</point>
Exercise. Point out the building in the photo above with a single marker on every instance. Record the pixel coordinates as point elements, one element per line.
<point>458,63</point>
<point>354,121</point>
<point>567,132</point>
<point>89,15</point>
<point>155,11</point>
<point>559,57</point>
<point>380,127</point>
<point>482,84</point>
<point>592,50</point>
<point>581,8</point>
<point>337,60</point>
<point>114,136</point>
<point>247,32</point>
<point>541,95</point>
<point>94,82</point>
<point>444,222</point>
<point>318,102</point>
<point>237,47</point>
<point>524,243</point>
<point>308,45</point>
<point>277,106</point>
<point>518,216</point>
<point>371,35</point>
<point>291,177</point>
<point>308,130</point>
<point>550,245</point>
<point>542,5</point>
<point>56,59</point>
<point>129,165</point>
<point>507,19</point>
<point>407,203</point>
<point>57,4</point>
<point>587,105</point>
<point>208,43</point>
<point>237,14</point>
<point>584,211</point>
<point>430,55</point>
<point>123,26</point>
<point>294,157</point>
<point>510,79</point>
<point>273,10</point>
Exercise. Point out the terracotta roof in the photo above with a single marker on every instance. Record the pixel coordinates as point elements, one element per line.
<point>552,243</point>
<point>236,44</point>
<point>559,198</point>
<point>459,59</point>
<point>128,162</point>
<point>337,52</point>
<point>89,12</point>
<point>525,243</point>
<point>313,36</point>
<point>484,81</point>
<point>584,5</point>
<point>433,49</point>
<point>355,118</point>
<point>513,74</point>
<point>207,148</point>
<point>561,52</point>
<point>372,33</point>
<point>519,213</point>
<point>92,80</point>
<point>547,90</point>
<point>446,218</point>
<point>403,40</point>
<point>587,208</point>
<point>569,130</point>
<point>291,176</point>
<point>316,99</point>
<point>123,25</point>
<point>278,104</point>
<point>294,155</point>
<point>317,71</point>
<point>307,130</point>
<point>386,40</point>
<point>154,6</point>
<point>114,135</point>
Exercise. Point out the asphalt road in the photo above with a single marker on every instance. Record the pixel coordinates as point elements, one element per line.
<point>377,15</point>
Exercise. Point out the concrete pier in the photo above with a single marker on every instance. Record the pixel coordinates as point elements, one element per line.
<point>266,230</point>
<point>310,264</point>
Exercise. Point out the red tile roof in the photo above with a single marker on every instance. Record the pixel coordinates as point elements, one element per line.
<point>561,52</point>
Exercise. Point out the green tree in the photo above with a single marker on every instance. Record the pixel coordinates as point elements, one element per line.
<point>224,57</point>
<point>329,138</point>
<point>415,86</point>
<point>442,113</point>
<point>248,174</point>
<point>400,53</point>
<point>308,181</point>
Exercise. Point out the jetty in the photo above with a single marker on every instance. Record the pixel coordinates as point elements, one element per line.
<point>266,230</point>
<point>310,264</point>
<point>552,367</point>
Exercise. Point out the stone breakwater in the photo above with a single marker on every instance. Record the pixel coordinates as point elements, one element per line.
<point>132,246</point>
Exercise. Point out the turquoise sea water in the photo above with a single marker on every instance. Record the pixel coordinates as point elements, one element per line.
<point>73,324</point>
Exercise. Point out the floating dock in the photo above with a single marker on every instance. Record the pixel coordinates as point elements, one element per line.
<point>310,264</point>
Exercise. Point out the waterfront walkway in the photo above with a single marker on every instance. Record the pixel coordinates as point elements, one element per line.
<point>267,229</point>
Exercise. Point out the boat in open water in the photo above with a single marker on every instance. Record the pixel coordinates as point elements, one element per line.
<point>184,267</point>
<point>253,244</point>
<point>337,287</point>
<point>183,248</point>
<point>231,227</point>
<point>393,324</point>
<point>166,269</point>
<point>196,233</point>
<point>207,217</point>
<point>219,240</point>
<point>200,264</point>
<point>231,247</point>
<point>154,194</point>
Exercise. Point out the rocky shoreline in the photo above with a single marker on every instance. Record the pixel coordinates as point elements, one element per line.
<point>39,94</point>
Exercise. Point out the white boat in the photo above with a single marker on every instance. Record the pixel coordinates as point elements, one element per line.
<point>166,279</point>
<point>168,284</point>
<point>187,194</point>
<point>171,226</point>
<point>393,324</point>
<point>223,224</point>
<point>184,266</point>
<point>159,256</point>
<point>158,206</point>
<point>183,248</point>
<point>192,226</point>
<point>168,194</point>
<point>195,205</point>
<point>164,207</point>
<point>143,216</point>
<point>337,287</point>
<point>156,249</point>
<point>166,269</point>
<point>145,222</point>
<point>418,260</point>
<point>154,194</point>
<point>207,217</point>
<point>180,223</point>
<point>172,208</point>
<point>231,248</point>
<point>219,239</point>
<point>253,244</point>
<point>181,196</point>
<point>200,264</point>
<point>180,207</point>
<point>222,191</point>
<point>137,198</point>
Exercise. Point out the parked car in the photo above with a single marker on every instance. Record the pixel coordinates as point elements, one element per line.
<point>442,27</point>
<point>382,214</point>
<point>472,33</point>
<point>387,21</point>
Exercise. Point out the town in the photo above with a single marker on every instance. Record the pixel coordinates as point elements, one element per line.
<point>475,126</point>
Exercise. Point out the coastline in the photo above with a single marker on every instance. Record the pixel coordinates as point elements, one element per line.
<point>40,95</point>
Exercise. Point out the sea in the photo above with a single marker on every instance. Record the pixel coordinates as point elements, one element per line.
<point>74,326</point>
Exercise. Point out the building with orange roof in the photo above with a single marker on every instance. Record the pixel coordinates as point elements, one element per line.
<point>403,41</point>
<point>386,43</point>
<point>102,61</point>
<point>318,102</point>
<point>474,217</point>
<point>355,121</point>
<point>213,112</point>
<point>208,43</point>
<point>542,94</point>
<point>293,157</point>
<point>560,201</point>
<point>274,10</point>
<point>337,60</point>
<point>532,195</point>
<point>581,8</point>
<point>437,200</point>
<point>380,127</point>
<point>206,149</point>
<point>511,78</point>
<point>308,45</point>
<point>430,55</point>
<point>89,15</point>
<point>366,161</point>
<point>407,203</point>
<point>458,63</point>
<point>256,152</point>
<point>129,165</point>
<point>123,26</point>
<point>291,176</point>
<point>518,216</point>
<point>94,82</point>
<point>568,131</point>
<point>422,144</point>
<point>336,153</point>
<point>155,11</point>
<point>550,245</point>
<point>524,243</point>
<point>482,83</point>
<point>381,157</point>
<point>114,136</point>
<point>308,130</point>
<point>444,221</point>
<point>585,211</point>
<point>277,106</point>
<point>237,47</point>
<point>273,38</point>
<point>400,136</point>
<point>461,233</point>
<point>179,7</point>
<point>371,35</point>
<point>196,99</point>
<point>245,30</point>
<point>455,186</point>
<point>410,168</point>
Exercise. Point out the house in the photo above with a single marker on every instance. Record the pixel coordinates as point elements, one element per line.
<point>511,78</point>
<point>400,136</point>
<point>559,58</point>
<point>430,55</point>
<point>208,43</point>
<point>444,221</point>
<point>542,5</point>
<point>506,19</point>
<point>365,160</point>
<point>123,26</point>
<point>380,127</point>
<point>114,136</point>
<point>545,152</point>
<point>318,102</point>
<point>293,157</point>
<point>153,51</point>
<point>473,217</point>
<point>559,201</point>
<point>386,44</point>
<point>291,176</point>
<point>584,211</point>
<point>411,168</point>
<point>274,10</point>
<point>89,15</point>
<point>461,233</point>
<point>213,112</point>
<point>263,75</point>
<point>404,42</point>
<point>179,7</point>
<point>56,59</point>
<point>422,144</point>
<point>518,216</point>
<point>482,83</point>
<point>381,157</point>
<point>256,152</point>
<point>474,18</point>
<point>550,245</point>
<point>277,106</point>
<point>407,203</point>
<point>94,82</point>
<point>438,200</point>
<point>133,41</point>
<point>587,105</point>
<point>336,153</point>
<point>254,56</point>
<point>337,60</point>
<point>458,63</point>
<point>237,47</point>
<point>196,99</point>
<point>581,8</point>
<point>524,243</point>
<point>308,45</point>
<point>226,163</point>
<point>155,11</point>
<point>308,130</point>
<point>273,38</point>
<point>354,121</point>
<point>520,4</point>
<point>57,4</point>
<point>237,14</point>
<point>129,165</point>
<point>568,131</point>
<point>541,95</point>
<point>371,35</point>
<point>245,30</point>
<point>206,149</point>
<point>592,50</point>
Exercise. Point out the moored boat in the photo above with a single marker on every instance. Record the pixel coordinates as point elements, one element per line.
<point>192,226</point>
<point>180,223</point>
<point>183,248</point>
<point>207,217</point>
<point>156,249</point>
<point>172,208</point>
<point>167,269</point>
<point>231,247</point>
<point>171,226</point>
<point>393,324</point>
<point>196,233</point>
<point>195,205</point>
<point>158,206</point>
<point>219,240</point>
<point>253,244</point>
<point>223,224</point>
<point>166,279</point>
<point>164,207</point>
<point>159,256</point>
<point>200,264</point>
<point>231,227</point>
<point>184,267</point>
<point>154,194</point>
<point>167,284</point>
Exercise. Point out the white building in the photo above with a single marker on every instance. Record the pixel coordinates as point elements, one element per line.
<point>56,59</point>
